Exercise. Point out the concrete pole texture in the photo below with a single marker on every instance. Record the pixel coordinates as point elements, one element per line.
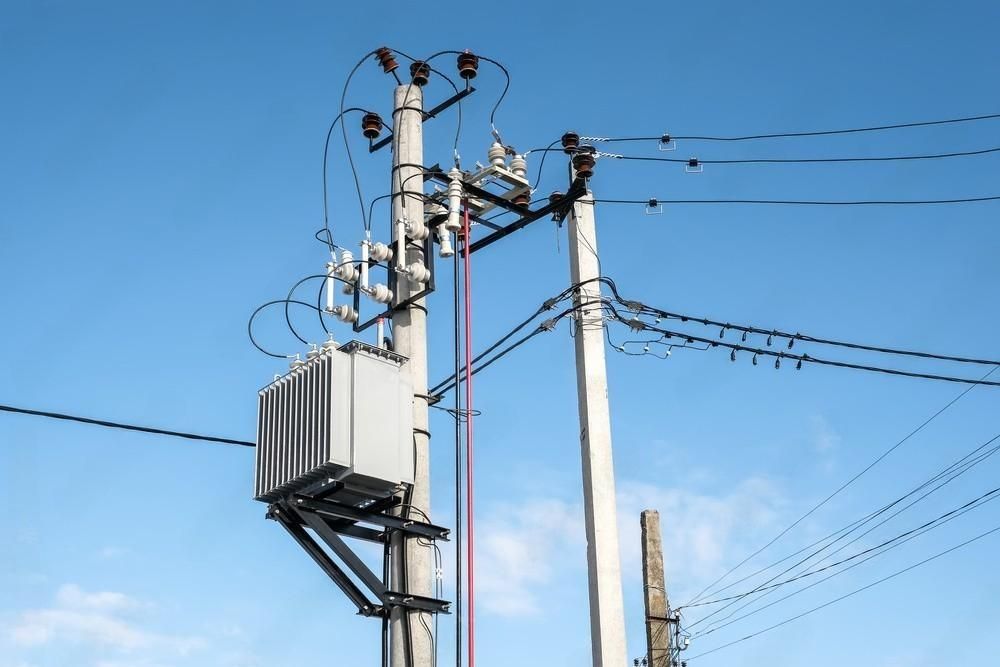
<point>655,591</point>
<point>411,561</point>
<point>607,613</point>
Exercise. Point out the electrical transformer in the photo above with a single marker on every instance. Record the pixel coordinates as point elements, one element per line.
<point>344,415</point>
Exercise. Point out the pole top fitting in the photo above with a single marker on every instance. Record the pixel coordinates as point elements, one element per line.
<point>570,142</point>
<point>421,72</point>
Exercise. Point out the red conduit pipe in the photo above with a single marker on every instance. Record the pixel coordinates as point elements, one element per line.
<point>470,536</point>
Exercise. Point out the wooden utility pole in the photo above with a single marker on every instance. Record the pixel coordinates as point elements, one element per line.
<point>658,622</point>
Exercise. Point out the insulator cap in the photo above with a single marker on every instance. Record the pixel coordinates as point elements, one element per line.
<point>468,65</point>
<point>522,199</point>
<point>584,161</point>
<point>570,142</point>
<point>385,59</point>
<point>555,196</point>
<point>421,72</point>
<point>371,125</point>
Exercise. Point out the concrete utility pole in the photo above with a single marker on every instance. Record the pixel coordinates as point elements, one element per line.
<point>410,560</point>
<point>607,613</point>
<point>655,592</point>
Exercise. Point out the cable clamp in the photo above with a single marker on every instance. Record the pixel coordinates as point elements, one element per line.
<point>548,325</point>
<point>617,156</point>
<point>595,138</point>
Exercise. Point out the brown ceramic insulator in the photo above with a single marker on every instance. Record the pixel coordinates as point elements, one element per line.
<point>584,163</point>
<point>371,125</point>
<point>570,142</point>
<point>385,59</point>
<point>522,199</point>
<point>421,72</point>
<point>555,196</point>
<point>468,65</point>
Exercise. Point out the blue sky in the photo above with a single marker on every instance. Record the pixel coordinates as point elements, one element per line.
<point>161,167</point>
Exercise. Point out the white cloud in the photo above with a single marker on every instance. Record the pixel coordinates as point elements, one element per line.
<point>825,439</point>
<point>72,596</point>
<point>521,547</point>
<point>515,551</point>
<point>98,619</point>
<point>702,533</point>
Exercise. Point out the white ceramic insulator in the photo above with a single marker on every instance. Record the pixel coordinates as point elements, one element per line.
<point>444,238</point>
<point>455,201</point>
<point>380,252</point>
<point>364,265</point>
<point>418,273</point>
<point>380,293</point>
<point>345,268</point>
<point>416,230</point>
<point>379,333</point>
<point>331,285</point>
<point>345,313</point>
<point>519,166</point>
<point>296,363</point>
<point>497,154</point>
<point>329,344</point>
<point>312,353</point>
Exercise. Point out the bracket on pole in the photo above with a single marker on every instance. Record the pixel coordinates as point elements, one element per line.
<point>454,99</point>
<point>329,517</point>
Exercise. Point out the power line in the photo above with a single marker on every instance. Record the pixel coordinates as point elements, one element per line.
<point>800,358</point>
<point>982,499</point>
<point>653,201</point>
<point>126,427</point>
<point>813,133</point>
<point>824,160</point>
<point>792,338</point>
<point>720,624</point>
<point>852,593</point>
<point>950,473</point>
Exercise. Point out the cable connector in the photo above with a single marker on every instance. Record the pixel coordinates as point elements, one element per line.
<point>635,324</point>
<point>549,304</point>
<point>549,324</point>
